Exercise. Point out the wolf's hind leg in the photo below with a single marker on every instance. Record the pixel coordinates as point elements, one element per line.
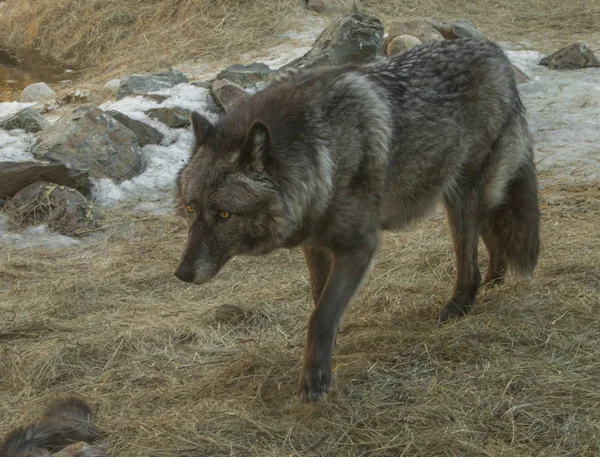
<point>465,214</point>
<point>318,261</point>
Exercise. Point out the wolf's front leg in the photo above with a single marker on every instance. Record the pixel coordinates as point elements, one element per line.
<point>348,269</point>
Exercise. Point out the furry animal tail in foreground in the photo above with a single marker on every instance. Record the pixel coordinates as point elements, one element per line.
<point>64,422</point>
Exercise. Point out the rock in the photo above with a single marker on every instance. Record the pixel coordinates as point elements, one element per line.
<point>458,29</point>
<point>142,84</point>
<point>572,57</point>
<point>14,176</point>
<point>520,77</point>
<point>36,92</point>
<point>62,208</point>
<point>354,38</point>
<point>248,75</point>
<point>112,86</point>
<point>88,138</point>
<point>226,94</point>
<point>176,118</point>
<point>66,83</point>
<point>26,119</point>
<point>420,29</point>
<point>145,133</point>
<point>333,6</point>
<point>402,44</point>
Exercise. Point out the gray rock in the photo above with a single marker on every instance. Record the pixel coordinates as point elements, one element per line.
<point>333,6</point>
<point>460,28</point>
<point>420,29</point>
<point>145,133</point>
<point>354,38</point>
<point>572,57</point>
<point>176,118</point>
<point>36,92</point>
<point>226,94</point>
<point>248,75</point>
<point>520,77</point>
<point>142,84</point>
<point>26,119</point>
<point>62,208</point>
<point>14,176</point>
<point>88,138</point>
<point>402,44</point>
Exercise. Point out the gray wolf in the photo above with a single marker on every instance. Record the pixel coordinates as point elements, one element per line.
<point>64,422</point>
<point>326,159</point>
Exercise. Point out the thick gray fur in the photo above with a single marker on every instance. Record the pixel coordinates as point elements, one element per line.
<point>326,159</point>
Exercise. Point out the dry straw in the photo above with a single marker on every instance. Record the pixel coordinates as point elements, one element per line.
<point>212,370</point>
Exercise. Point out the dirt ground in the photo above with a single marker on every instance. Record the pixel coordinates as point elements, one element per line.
<point>179,370</point>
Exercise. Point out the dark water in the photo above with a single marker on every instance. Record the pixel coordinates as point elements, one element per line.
<point>20,70</point>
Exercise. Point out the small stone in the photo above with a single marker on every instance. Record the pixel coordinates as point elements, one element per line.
<point>62,208</point>
<point>145,133</point>
<point>26,119</point>
<point>226,94</point>
<point>112,86</point>
<point>142,84</point>
<point>176,118</point>
<point>520,76</point>
<point>420,29</point>
<point>36,92</point>
<point>572,57</point>
<point>402,44</point>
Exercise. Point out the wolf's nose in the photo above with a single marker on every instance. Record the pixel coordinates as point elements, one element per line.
<point>185,274</point>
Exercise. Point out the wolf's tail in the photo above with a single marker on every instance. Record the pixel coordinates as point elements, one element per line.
<point>64,422</point>
<point>512,232</point>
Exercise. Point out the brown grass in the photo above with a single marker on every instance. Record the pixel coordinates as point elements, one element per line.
<point>174,371</point>
<point>118,36</point>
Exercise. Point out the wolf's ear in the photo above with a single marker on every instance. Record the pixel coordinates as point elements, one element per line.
<point>202,128</point>
<point>257,147</point>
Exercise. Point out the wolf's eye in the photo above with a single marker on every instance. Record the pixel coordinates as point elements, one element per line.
<point>224,215</point>
<point>189,209</point>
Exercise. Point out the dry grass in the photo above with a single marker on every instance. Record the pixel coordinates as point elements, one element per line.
<point>117,36</point>
<point>173,372</point>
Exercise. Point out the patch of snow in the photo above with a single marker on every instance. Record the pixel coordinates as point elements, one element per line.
<point>15,145</point>
<point>36,237</point>
<point>564,116</point>
<point>10,108</point>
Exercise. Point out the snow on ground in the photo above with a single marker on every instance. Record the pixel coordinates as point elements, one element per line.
<point>34,237</point>
<point>564,116</point>
<point>563,108</point>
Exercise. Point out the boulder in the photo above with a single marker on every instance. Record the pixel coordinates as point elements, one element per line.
<point>460,28</point>
<point>176,118</point>
<point>36,92</point>
<point>145,133</point>
<point>226,94</point>
<point>14,176</point>
<point>402,44</point>
<point>26,119</point>
<point>142,84</point>
<point>572,57</point>
<point>354,38</point>
<point>333,6</point>
<point>88,138</point>
<point>61,208</point>
<point>420,29</point>
<point>248,75</point>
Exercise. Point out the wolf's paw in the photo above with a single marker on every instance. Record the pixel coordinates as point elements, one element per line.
<point>452,310</point>
<point>314,382</point>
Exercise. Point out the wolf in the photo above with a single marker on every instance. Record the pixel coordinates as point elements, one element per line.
<point>326,159</point>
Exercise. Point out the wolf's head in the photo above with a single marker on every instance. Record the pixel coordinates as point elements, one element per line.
<point>229,197</point>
